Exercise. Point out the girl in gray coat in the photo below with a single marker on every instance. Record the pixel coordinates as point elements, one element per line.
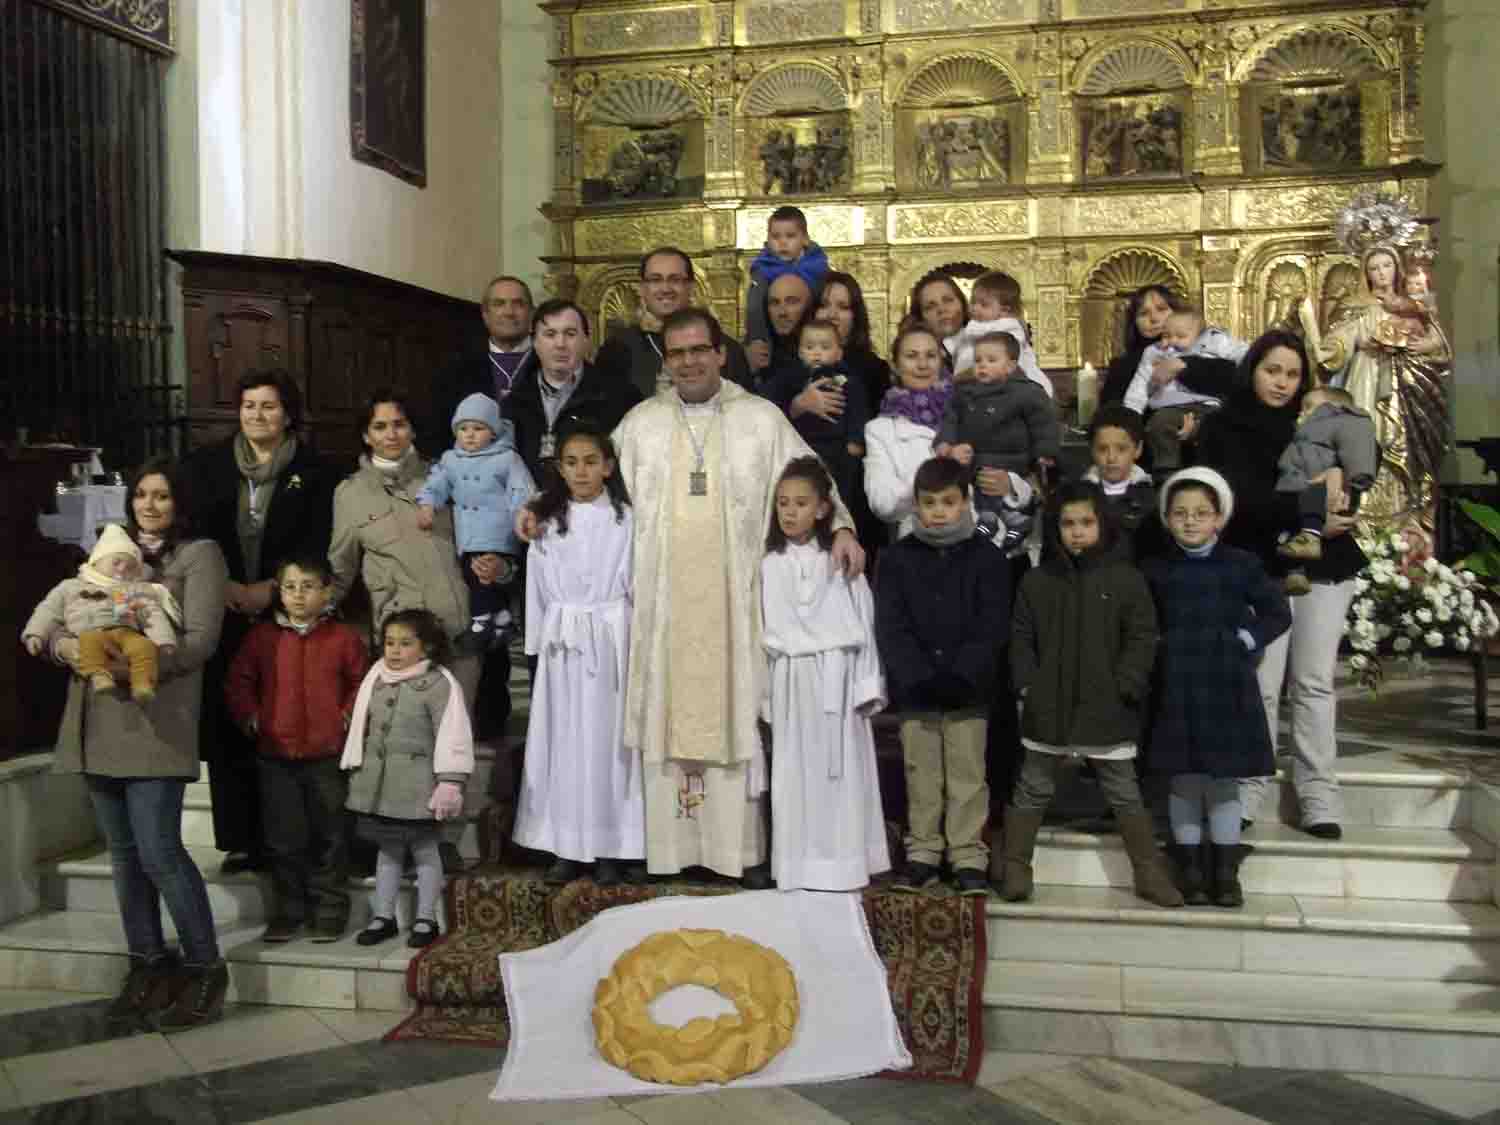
<point>409,749</point>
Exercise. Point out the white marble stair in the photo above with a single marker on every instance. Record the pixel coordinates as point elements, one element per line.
<point>1394,969</point>
<point>1369,862</point>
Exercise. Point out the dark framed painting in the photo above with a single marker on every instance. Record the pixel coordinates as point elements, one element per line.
<point>388,86</point>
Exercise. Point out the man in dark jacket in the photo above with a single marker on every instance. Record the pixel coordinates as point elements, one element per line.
<point>634,354</point>
<point>941,605</point>
<point>487,366</point>
<point>556,387</point>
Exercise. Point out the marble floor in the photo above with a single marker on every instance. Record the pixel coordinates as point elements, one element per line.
<point>59,1063</point>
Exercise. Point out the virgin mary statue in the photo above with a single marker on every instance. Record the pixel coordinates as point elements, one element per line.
<point>1386,348</point>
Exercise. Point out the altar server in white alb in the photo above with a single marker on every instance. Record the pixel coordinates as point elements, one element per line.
<point>824,683</point>
<point>581,798</point>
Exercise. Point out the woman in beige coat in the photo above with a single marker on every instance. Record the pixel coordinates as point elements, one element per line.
<point>137,759</point>
<point>376,537</point>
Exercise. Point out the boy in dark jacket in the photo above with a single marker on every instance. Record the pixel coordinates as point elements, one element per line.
<point>942,605</point>
<point>1117,438</point>
<point>788,249</point>
<point>291,688</point>
<point>1083,640</point>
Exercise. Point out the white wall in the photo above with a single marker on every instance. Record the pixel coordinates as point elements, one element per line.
<point>526,139</point>
<point>258,139</point>
<point>1460,127</point>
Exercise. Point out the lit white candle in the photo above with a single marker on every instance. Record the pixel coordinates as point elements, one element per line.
<point>1086,393</point>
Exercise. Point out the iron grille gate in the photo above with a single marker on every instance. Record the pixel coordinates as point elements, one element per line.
<point>82,234</point>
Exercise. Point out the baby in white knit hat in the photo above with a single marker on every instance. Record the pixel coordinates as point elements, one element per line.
<point>113,611</point>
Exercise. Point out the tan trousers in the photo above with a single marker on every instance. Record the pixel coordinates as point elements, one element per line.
<point>947,799</point>
<point>97,647</point>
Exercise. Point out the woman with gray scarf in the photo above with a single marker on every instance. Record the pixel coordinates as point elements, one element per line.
<point>263,496</point>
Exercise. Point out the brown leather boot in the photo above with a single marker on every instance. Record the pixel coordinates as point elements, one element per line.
<point>1010,864</point>
<point>1152,882</point>
<point>145,991</point>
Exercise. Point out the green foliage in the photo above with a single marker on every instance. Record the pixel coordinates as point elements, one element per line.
<point>1485,562</point>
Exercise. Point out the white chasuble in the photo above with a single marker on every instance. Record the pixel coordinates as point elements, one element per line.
<point>581,796</point>
<point>697,667</point>
<point>825,682</point>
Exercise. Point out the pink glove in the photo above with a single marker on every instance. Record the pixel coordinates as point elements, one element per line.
<point>447,800</point>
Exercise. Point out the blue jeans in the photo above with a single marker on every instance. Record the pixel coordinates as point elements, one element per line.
<point>142,823</point>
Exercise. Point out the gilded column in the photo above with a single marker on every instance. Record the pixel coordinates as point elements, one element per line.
<point>1050,116</point>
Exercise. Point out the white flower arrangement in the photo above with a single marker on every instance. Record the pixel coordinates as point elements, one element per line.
<point>1406,609</point>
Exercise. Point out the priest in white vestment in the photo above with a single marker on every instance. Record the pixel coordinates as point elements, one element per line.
<point>701,461</point>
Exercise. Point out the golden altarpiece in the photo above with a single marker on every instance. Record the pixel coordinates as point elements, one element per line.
<point>1086,146</point>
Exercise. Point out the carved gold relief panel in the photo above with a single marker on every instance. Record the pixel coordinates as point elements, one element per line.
<point>643,29</point>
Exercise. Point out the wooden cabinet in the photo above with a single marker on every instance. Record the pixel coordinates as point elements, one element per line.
<point>339,332</point>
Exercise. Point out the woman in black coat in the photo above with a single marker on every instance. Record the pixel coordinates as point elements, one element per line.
<point>1243,440</point>
<point>264,497</point>
<point>1145,319</point>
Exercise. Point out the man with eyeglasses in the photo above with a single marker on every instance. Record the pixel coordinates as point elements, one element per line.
<point>635,353</point>
<point>701,461</point>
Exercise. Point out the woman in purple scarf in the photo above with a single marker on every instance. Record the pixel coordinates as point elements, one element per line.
<point>901,438</point>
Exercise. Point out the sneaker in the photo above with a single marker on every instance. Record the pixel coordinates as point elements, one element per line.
<point>1296,584</point>
<point>424,931</point>
<point>281,930</point>
<point>1303,545</point>
<point>971,882</point>
<point>1325,830</point>
<point>476,638</point>
<point>915,876</point>
<point>199,998</point>
<point>379,930</point>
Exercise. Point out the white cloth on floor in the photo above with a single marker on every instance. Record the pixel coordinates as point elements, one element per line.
<point>846,1029</point>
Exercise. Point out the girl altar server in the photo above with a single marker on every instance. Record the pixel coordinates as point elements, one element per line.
<point>828,831</point>
<point>582,797</point>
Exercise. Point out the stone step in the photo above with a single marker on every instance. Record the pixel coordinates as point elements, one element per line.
<point>1293,981</point>
<point>79,951</point>
<point>83,883</point>
<point>1453,864</point>
<point>1325,937</point>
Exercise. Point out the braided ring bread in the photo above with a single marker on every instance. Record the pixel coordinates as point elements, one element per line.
<point>757,980</point>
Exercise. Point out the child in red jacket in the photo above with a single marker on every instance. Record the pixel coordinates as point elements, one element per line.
<point>292,687</point>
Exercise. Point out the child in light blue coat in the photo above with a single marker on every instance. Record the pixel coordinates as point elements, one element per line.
<point>486,481</point>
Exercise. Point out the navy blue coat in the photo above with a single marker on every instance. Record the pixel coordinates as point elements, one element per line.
<point>941,615</point>
<point>1207,715</point>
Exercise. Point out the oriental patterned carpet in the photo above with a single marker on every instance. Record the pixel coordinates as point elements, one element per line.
<point>932,944</point>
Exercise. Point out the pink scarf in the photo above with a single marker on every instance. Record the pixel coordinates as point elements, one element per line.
<point>453,749</point>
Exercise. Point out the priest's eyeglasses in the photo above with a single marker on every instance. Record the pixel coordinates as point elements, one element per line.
<point>697,351</point>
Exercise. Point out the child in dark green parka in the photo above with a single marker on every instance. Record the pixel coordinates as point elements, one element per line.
<point>1083,640</point>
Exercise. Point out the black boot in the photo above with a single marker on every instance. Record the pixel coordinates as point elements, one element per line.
<point>199,998</point>
<point>146,990</point>
<point>1188,863</point>
<point>1227,860</point>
